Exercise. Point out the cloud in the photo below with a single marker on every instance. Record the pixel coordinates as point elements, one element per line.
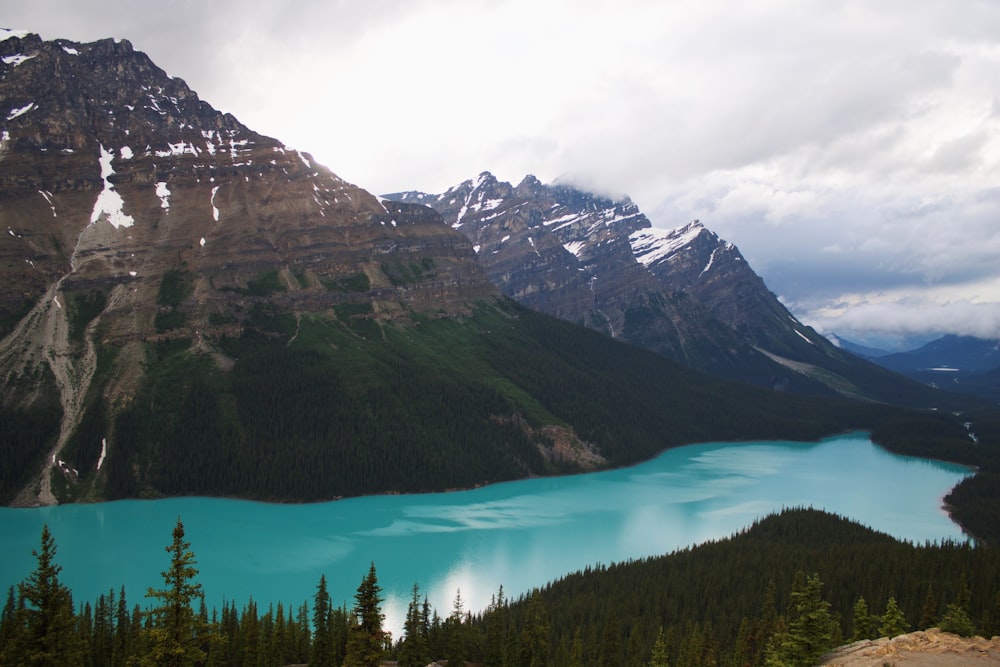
<point>833,142</point>
<point>905,318</point>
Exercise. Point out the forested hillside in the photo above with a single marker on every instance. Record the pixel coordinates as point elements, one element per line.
<point>725,602</point>
<point>780,593</point>
<point>305,408</point>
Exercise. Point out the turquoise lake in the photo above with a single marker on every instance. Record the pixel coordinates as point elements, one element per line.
<point>517,534</point>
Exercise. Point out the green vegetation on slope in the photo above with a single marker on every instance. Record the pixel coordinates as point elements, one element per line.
<point>724,602</point>
<point>27,434</point>
<point>319,408</point>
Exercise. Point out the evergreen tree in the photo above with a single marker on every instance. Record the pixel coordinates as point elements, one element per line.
<point>956,620</point>
<point>766,625</point>
<point>123,639</point>
<point>633,648</point>
<point>455,630</point>
<point>104,628</point>
<point>811,628</point>
<point>175,633</point>
<point>44,627</point>
<point>250,634</point>
<point>742,653</point>
<point>929,611</point>
<point>85,633</point>
<point>864,623</point>
<point>340,627</point>
<point>281,651</point>
<point>576,651</point>
<point>893,621</point>
<point>7,622</point>
<point>322,646</point>
<point>535,634</point>
<point>495,653</point>
<point>414,650</point>
<point>366,640</point>
<point>611,642</point>
<point>302,637</point>
<point>659,655</point>
<point>956,615</point>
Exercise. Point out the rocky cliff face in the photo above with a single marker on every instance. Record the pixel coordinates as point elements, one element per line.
<point>132,212</point>
<point>684,293</point>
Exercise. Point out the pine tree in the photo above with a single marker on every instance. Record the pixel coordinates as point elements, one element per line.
<point>810,630</point>
<point>322,646</point>
<point>44,631</point>
<point>535,635</point>
<point>302,638</point>
<point>496,632</point>
<point>250,633</point>
<point>414,650</point>
<point>366,640</point>
<point>659,655</point>
<point>864,623</point>
<point>456,629</point>
<point>7,621</point>
<point>956,620</point>
<point>929,611</point>
<point>956,614</point>
<point>104,624</point>
<point>893,621</point>
<point>611,642</point>
<point>176,633</point>
<point>123,639</point>
<point>634,648</point>
<point>576,651</point>
<point>281,651</point>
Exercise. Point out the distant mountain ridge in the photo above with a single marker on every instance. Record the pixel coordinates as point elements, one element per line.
<point>956,363</point>
<point>683,293</point>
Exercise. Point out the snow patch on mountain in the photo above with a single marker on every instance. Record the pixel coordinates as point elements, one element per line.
<point>17,59</point>
<point>109,203</point>
<point>163,192</point>
<point>215,209</point>
<point>20,111</point>
<point>653,245</point>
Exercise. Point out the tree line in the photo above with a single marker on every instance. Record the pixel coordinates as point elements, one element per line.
<point>781,592</point>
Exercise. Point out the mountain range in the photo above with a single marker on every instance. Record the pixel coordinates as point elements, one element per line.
<point>962,364</point>
<point>189,307</point>
<point>683,293</point>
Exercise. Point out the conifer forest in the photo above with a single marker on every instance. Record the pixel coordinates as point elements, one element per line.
<point>781,592</point>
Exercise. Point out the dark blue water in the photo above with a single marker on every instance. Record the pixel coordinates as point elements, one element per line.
<point>518,534</point>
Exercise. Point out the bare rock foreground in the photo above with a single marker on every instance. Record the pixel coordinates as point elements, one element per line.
<point>926,648</point>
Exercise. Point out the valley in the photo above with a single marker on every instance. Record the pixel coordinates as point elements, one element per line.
<point>194,316</point>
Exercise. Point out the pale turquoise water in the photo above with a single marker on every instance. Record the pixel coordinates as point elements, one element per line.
<point>518,534</point>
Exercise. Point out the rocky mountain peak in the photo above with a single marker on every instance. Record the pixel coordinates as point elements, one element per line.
<point>595,260</point>
<point>97,140</point>
<point>529,184</point>
<point>135,213</point>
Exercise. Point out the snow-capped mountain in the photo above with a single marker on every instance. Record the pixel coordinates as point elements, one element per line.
<point>684,292</point>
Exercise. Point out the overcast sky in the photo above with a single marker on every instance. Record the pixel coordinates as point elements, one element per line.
<point>850,149</point>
